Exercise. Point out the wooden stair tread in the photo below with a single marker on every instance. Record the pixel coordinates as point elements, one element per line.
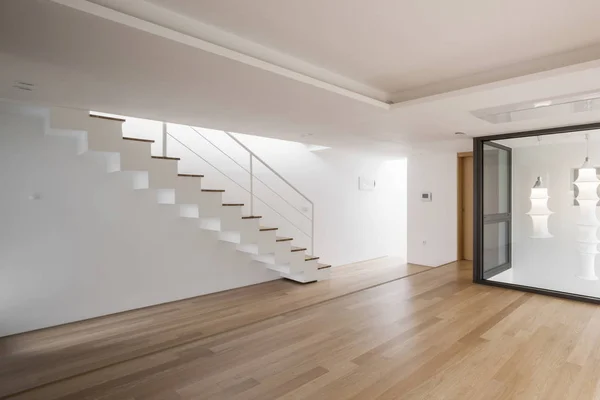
<point>310,258</point>
<point>323,266</point>
<point>138,139</point>
<point>283,239</point>
<point>166,158</point>
<point>265,228</point>
<point>213,190</point>
<point>232,204</point>
<point>252,217</point>
<point>108,118</point>
<point>294,248</point>
<point>191,175</point>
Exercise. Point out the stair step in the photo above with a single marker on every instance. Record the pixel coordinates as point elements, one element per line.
<point>264,229</point>
<point>108,118</point>
<point>252,217</point>
<point>232,205</point>
<point>323,266</point>
<point>138,140</point>
<point>166,158</point>
<point>191,175</point>
<point>283,239</point>
<point>213,190</point>
<point>310,258</point>
<point>294,248</point>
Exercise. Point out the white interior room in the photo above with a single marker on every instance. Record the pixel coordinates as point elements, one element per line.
<point>550,257</point>
<point>333,109</point>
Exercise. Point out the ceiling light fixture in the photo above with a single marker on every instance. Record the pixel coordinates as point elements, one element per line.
<point>539,211</point>
<point>528,110</point>
<point>587,183</point>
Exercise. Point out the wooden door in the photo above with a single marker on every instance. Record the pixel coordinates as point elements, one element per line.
<point>467,207</point>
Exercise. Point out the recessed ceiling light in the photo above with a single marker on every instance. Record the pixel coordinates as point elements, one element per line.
<point>459,133</point>
<point>545,103</point>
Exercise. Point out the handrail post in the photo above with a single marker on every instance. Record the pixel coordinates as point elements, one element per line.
<point>312,230</point>
<point>251,186</point>
<point>164,139</point>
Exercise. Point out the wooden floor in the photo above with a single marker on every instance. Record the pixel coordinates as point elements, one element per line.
<point>432,335</point>
<point>77,348</point>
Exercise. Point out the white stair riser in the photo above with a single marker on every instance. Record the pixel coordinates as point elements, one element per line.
<point>162,174</point>
<point>260,243</point>
<point>297,261</point>
<point>134,156</point>
<point>210,204</point>
<point>249,230</point>
<point>231,218</point>
<point>102,135</point>
<point>68,119</point>
<point>283,252</point>
<point>188,190</point>
<point>266,242</point>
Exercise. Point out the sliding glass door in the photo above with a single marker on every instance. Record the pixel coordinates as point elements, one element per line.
<point>496,204</point>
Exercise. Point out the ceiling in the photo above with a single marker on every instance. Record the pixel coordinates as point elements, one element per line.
<point>86,55</point>
<point>401,46</point>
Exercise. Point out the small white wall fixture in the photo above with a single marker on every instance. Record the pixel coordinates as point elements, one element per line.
<point>587,182</point>
<point>539,211</point>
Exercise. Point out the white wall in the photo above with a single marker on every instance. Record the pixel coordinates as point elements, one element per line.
<point>432,226</point>
<point>350,225</point>
<point>91,245</point>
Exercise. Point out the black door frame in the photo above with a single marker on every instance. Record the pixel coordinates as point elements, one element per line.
<point>478,142</point>
<point>502,217</point>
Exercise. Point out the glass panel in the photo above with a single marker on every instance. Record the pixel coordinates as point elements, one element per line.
<point>495,245</point>
<point>496,189</point>
<point>555,214</point>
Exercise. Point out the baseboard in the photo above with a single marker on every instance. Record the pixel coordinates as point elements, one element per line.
<point>360,262</point>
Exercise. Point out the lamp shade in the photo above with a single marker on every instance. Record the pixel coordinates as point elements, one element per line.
<point>539,211</point>
<point>587,183</point>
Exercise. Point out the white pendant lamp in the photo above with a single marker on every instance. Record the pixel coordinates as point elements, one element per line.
<point>539,211</point>
<point>587,182</point>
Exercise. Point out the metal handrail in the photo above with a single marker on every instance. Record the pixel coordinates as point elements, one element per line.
<point>269,167</point>
<point>312,218</point>
<point>251,172</point>
<point>165,132</point>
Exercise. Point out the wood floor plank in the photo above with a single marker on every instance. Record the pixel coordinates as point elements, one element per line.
<point>89,345</point>
<point>433,335</point>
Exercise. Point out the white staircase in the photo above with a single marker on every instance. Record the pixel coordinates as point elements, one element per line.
<point>202,206</point>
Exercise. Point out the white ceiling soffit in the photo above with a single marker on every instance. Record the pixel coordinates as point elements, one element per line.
<point>187,31</point>
<point>246,32</point>
<point>159,20</point>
